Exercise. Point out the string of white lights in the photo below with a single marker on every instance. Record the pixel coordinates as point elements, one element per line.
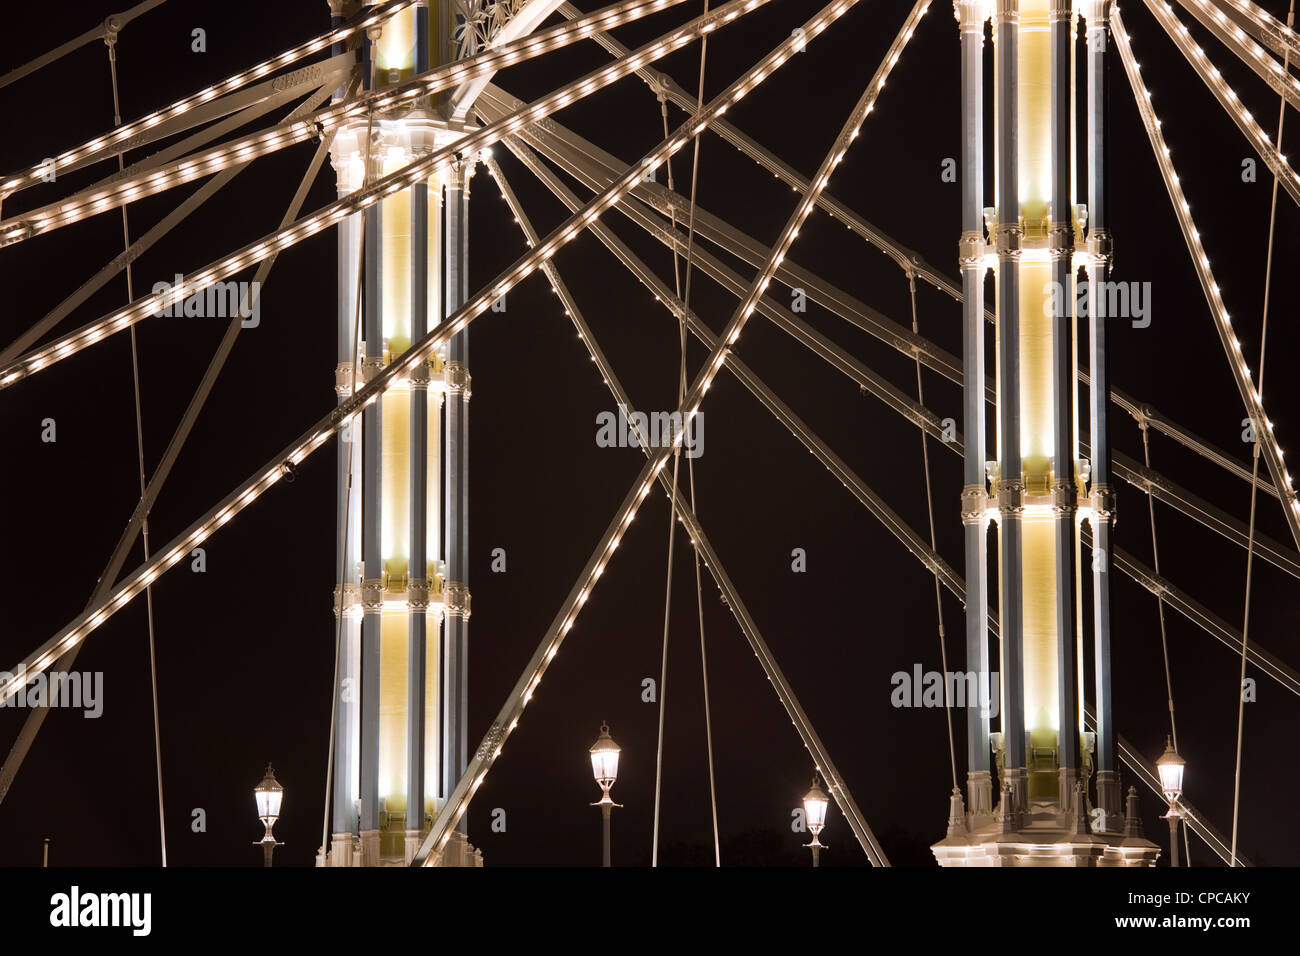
<point>458,801</point>
<point>662,84</point>
<point>1228,98</point>
<point>1273,454</point>
<point>401,369</point>
<point>160,230</point>
<point>121,139</point>
<point>398,180</point>
<point>1247,50</point>
<point>111,193</point>
<point>1274,34</point>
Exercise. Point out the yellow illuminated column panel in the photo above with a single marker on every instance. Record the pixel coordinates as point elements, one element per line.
<point>1039,649</point>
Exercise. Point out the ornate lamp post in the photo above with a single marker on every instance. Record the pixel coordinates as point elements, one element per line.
<point>269,795</point>
<point>815,802</point>
<point>604,767</point>
<point>1170,767</point>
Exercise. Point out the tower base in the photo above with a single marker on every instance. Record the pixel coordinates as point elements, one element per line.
<point>1041,840</point>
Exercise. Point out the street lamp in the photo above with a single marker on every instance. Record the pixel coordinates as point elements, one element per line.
<point>604,767</point>
<point>1170,766</point>
<point>269,795</point>
<point>815,802</point>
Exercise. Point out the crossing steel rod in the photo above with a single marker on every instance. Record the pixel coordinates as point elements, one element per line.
<point>101,198</point>
<point>553,142</point>
<point>954,582</point>
<point>169,222</point>
<point>36,717</point>
<point>403,178</point>
<point>816,749</point>
<point>1275,74</point>
<point>312,439</point>
<point>111,25</point>
<point>919,415</point>
<point>1262,25</point>
<point>907,258</point>
<point>109,144</point>
<point>1288,88</point>
<point>508,717</point>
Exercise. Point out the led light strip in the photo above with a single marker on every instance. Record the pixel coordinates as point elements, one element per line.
<point>1279,37</point>
<point>1247,50</point>
<point>106,144</point>
<point>100,198</point>
<point>458,801</point>
<point>176,550</point>
<point>1227,97</point>
<point>402,178</point>
<point>1232,347</point>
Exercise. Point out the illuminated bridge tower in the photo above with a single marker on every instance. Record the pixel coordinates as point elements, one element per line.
<point>1058,796</point>
<point>400,741</point>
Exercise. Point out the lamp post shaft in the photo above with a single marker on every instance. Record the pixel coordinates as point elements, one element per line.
<point>266,853</point>
<point>605,813</point>
<point>1173,840</point>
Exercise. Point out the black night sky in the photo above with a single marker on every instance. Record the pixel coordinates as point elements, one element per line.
<point>245,650</point>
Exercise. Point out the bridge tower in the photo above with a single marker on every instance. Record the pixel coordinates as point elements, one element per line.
<point>1039,488</point>
<point>402,507</point>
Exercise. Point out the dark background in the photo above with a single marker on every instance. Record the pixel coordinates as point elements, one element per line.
<point>245,650</point>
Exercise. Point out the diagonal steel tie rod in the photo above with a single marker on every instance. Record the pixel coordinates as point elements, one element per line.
<point>458,800</point>
<point>816,749</point>
<point>922,417</point>
<point>36,718</point>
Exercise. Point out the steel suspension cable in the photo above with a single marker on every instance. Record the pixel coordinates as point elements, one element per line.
<point>111,41</point>
<point>1160,601</point>
<point>36,718</point>
<point>690,467</point>
<point>663,662</point>
<point>1160,610</point>
<point>1260,426</point>
<point>685,299</point>
<point>929,507</point>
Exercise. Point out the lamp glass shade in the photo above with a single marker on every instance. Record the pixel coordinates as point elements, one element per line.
<point>814,806</point>
<point>604,759</point>
<point>269,795</point>
<point>1170,767</point>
